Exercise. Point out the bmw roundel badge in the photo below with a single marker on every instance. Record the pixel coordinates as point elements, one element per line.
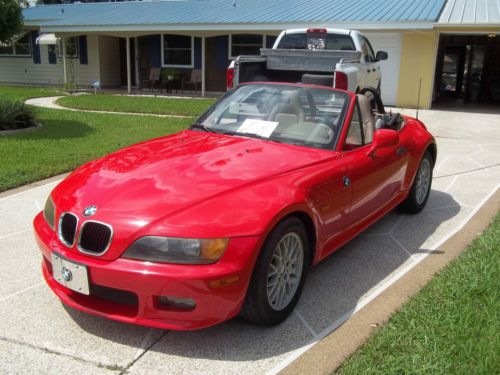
<point>90,210</point>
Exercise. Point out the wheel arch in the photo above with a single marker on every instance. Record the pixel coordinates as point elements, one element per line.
<point>432,148</point>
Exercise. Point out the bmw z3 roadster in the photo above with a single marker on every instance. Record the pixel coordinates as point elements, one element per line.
<point>225,218</point>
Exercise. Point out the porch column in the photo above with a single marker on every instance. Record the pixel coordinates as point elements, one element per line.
<point>203,66</point>
<point>64,60</point>
<point>129,73</point>
<point>136,46</point>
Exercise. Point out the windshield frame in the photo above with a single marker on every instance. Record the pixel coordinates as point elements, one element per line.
<point>331,146</point>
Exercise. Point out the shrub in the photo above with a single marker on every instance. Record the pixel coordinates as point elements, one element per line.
<point>15,115</point>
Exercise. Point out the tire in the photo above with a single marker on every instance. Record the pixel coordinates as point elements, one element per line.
<point>263,305</point>
<point>318,79</point>
<point>421,187</point>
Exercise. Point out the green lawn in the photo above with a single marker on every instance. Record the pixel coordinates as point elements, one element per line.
<point>69,139</point>
<point>137,104</point>
<point>23,93</point>
<point>451,327</point>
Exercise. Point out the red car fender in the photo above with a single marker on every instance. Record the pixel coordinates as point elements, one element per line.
<point>417,141</point>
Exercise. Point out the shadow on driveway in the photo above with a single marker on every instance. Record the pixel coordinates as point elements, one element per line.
<point>332,291</point>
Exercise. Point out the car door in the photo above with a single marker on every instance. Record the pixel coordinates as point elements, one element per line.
<point>376,178</point>
<point>331,197</point>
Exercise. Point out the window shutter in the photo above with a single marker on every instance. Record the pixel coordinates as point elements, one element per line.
<point>36,48</point>
<point>52,54</point>
<point>82,46</point>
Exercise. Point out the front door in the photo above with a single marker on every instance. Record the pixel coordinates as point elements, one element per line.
<point>216,63</point>
<point>375,178</point>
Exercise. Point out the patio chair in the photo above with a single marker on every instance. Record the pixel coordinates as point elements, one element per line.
<point>194,80</point>
<point>154,78</point>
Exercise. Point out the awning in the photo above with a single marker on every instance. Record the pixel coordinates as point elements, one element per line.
<point>47,39</point>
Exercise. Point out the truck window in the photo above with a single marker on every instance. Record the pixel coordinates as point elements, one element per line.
<point>367,50</point>
<point>331,42</point>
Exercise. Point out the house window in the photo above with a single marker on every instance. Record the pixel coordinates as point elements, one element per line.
<point>177,51</point>
<point>71,47</point>
<point>245,44</point>
<point>19,47</point>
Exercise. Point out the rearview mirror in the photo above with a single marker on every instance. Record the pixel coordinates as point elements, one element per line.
<point>383,138</point>
<point>381,55</point>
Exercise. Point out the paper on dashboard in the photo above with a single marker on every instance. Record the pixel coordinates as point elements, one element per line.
<point>258,127</point>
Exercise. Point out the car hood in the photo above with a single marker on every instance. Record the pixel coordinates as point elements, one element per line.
<point>136,186</point>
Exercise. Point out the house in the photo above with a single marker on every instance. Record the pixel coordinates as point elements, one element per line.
<point>446,48</point>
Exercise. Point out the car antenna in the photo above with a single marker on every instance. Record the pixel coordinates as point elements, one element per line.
<point>418,99</point>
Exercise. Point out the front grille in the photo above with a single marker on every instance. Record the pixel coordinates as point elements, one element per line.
<point>95,237</point>
<point>67,228</point>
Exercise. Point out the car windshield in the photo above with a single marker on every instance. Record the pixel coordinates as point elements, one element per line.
<point>300,115</point>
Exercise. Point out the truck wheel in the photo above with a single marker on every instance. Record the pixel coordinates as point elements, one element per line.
<point>279,274</point>
<point>317,79</point>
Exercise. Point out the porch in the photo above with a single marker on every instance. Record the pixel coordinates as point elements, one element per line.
<point>164,64</point>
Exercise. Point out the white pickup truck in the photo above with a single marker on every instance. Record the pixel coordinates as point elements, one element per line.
<point>328,57</point>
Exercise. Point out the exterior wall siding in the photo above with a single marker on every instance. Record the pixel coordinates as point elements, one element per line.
<point>418,61</point>
<point>22,70</point>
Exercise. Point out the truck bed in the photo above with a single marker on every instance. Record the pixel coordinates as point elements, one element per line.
<point>306,60</point>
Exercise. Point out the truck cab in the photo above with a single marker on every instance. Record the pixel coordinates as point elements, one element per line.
<point>340,58</point>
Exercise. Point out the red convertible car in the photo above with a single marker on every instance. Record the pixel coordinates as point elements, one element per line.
<point>225,218</point>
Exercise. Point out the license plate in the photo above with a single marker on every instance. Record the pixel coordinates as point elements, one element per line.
<point>70,274</point>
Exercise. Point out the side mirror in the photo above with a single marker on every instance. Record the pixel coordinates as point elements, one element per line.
<point>381,55</point>
<point>383,138</point>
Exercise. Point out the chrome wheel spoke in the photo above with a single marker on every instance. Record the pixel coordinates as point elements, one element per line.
<point>285,270</point>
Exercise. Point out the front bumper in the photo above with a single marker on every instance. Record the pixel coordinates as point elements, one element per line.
<point>126,290</point>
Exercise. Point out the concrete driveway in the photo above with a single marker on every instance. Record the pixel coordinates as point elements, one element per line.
<point>39,335</point>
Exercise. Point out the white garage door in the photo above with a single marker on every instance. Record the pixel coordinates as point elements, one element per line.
<point>391,43</point>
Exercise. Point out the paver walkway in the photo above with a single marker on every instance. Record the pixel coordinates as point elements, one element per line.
<point>50,102</point>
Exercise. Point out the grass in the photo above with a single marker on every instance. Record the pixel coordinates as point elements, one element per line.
<point>137,104</point>
<point>69,139</point>
<point>23,93</point>
<point>452,326</point>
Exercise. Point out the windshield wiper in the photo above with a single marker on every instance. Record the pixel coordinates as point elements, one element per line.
<point>202,127</point>
<point>250,135</point>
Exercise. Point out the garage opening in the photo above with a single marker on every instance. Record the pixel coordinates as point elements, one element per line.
<point>467,72</point>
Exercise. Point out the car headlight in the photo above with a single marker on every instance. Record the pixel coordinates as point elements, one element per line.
<point>177,250</point>
<point>49,212</point>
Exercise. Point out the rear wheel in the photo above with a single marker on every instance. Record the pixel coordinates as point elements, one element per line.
<point>421,188</point>
<point>279,275</point>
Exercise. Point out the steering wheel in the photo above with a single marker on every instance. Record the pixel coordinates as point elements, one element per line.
<point>375,100</point>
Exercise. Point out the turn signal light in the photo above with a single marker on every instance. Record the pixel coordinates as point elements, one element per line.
<point>227,281</point>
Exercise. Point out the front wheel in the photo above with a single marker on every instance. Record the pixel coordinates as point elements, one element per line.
<point>421,188</point>
<point>279,275</point>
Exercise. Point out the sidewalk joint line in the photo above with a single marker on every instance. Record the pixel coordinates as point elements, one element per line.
<point>138,357</point>
<point>305,323</point>
<point>55,352</point>
<point>21,291</point>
